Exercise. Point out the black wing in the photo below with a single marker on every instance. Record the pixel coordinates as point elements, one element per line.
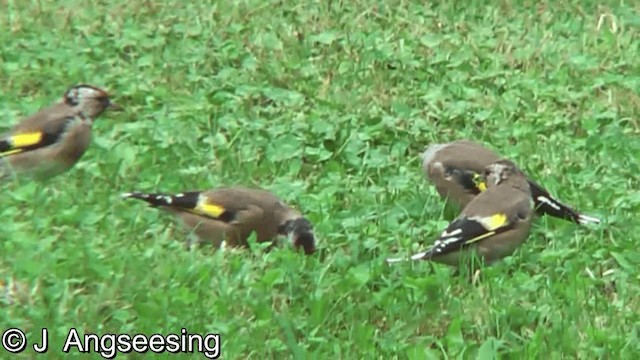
<point>547,205</point>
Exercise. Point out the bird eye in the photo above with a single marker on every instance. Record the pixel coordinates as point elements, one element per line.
<point>72,100</point>
<point>104,100</point>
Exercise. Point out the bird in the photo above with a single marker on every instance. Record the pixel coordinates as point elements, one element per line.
<point>494,223</point>
<point>227,216</point>
<point>51,141</point>
<point>454,168</point>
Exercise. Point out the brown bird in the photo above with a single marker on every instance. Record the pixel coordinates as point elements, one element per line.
<point>494,223</point>
<point>51,141</point>
<point>454,168</point>
<point>231,214</point>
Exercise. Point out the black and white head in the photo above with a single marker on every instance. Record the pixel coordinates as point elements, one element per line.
<point>499,171</point>
<point>89,100</point>
<point>300,234</point>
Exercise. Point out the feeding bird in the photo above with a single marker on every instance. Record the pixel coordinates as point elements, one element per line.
<point>492,225</point>
<point>229,215</point>
<point>454,168</point>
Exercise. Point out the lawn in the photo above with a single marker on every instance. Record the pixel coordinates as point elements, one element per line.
<point>329,105</point>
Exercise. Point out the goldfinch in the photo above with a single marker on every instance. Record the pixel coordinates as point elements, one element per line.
<point>454,168</point>
<point>494,223</point>
<point>231,214</point>
<point>51,141</point>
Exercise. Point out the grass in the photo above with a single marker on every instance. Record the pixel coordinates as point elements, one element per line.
<point>329,104</point>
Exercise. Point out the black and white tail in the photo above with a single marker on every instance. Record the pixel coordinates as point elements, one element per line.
<point>186,200</point>
<point>547,205</point>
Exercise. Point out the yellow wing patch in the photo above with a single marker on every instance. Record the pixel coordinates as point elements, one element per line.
<point>15,144</point>
<point>26,139</point>
<point>10,152</point>
<point>494,221</point>
<point>491,224</point>
<point>480,184</point>
<point>212,210</point>
<point>478,238</point>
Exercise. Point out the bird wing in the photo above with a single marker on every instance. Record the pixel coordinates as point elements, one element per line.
<point>547,204</point>
<point>193,202</point>
<point>204,204</point>
<point>20,141</point>
<point>465,231</point>
<point>493,212</point>
<point>240,215</point>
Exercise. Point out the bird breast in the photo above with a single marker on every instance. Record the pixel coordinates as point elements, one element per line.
<point>74,142</point>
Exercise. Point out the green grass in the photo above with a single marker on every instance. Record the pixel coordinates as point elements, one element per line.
<point>329,105</point>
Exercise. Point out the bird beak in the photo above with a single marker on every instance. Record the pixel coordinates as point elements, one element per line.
<point>307,242</point>
<point>114,106</point>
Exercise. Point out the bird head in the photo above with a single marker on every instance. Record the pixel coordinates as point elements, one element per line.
<point>499,171</point>
<point>89,100</point>
<point>300,233</point>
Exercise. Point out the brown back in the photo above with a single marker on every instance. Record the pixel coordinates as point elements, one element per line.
<point>39,120</point>
<point>257,209</point>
